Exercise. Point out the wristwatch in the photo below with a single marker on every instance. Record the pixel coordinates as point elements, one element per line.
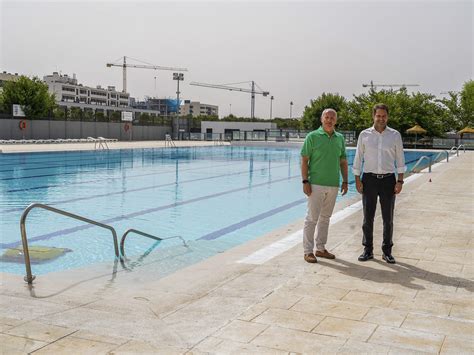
<point>400,182</point>
<point>305,181</point>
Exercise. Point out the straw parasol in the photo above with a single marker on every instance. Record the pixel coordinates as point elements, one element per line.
<point>466,130</point>
<point>416,129</point>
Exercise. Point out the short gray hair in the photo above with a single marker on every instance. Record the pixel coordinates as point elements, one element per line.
<point>329,110</point>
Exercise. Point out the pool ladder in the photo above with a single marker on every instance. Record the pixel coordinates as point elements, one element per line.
<point>453,150</point>
<point>118,255</point>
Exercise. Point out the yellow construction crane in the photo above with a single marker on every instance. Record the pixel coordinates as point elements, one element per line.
<point>124,65</point>
<point>252,91</point>
<point>391,86</point>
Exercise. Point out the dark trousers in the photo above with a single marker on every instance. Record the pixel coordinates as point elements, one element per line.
<point>384,189</point>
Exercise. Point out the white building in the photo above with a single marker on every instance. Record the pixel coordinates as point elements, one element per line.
<point>4,77</point>
<point>195,108</point>
<point>67,90</point>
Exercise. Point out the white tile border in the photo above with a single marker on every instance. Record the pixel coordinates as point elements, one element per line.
<point>264,254</point>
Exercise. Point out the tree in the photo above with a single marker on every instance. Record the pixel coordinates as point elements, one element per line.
<point>405,111</point>
<point>31,94</point>
<point>467,104</point>
<point>292,123</point>
<point>312,113</point>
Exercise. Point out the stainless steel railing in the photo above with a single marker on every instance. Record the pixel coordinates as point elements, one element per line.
<point>455,149</point>
<point>119,255</point>
<point>29,276</point>
<point>122,241</point>
<point>443,151</point>
<point>419,161</point>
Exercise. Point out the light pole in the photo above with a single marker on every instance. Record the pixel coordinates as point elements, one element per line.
<point>178,77</point>
<point>230,109</point>
<point>271,104</point>
<point>291,107</point>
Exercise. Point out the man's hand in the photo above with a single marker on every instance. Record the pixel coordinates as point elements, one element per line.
<point>307,189</point>
<point>398,188</point>
<point>359,186</point>
<point>344,188</point>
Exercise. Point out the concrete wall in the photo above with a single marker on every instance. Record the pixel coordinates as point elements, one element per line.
<point>45,129</point>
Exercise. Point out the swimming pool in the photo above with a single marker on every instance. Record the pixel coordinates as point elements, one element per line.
<point>213,197</point>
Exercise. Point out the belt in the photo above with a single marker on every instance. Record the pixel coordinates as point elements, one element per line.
<point>380,176</point>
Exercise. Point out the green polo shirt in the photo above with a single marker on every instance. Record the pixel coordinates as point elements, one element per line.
<point>325,153</point>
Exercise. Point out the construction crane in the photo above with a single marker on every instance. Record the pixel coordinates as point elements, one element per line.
<point>391,86</point>
<point>124,65</point>
<point>252,91</point>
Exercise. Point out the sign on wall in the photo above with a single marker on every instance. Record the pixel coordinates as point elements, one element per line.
<point>127,116</point>
<point>18,111</point>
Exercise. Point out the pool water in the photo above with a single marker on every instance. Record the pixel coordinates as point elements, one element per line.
<point>213,197</point>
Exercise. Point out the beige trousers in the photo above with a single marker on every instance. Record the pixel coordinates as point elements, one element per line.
<point>320,206</point>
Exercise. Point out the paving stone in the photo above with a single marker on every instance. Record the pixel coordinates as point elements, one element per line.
<point>140,347</point>
<point>454,345</point>
<point>407,339</point>
<point>289,319</point>
<point>422,306</point>
<point>12,344</point>
<point>240,331</point>
<point>366,298</point>
<point>440,325</point>
<point>337,309</point>
<point>385,316</point>
<point>298,341</point>
<point>79,346</point>
<point>358,347</point>
<point>252,312</point>
<point>345,328</point>
<point>39,331</point>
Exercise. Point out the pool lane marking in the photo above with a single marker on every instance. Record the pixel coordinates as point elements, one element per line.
<point>229,229</point>
<point>270,251</point>
<point>85,198</point>
<point>88,161</point>
<point>142,212</point>
<point>155,172</point>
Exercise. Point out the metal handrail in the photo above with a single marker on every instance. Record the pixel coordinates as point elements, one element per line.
<point>463,148</point>
<point>456,149</point>
<point>443,151</point>
<point>419,161</point>
<point>169,142</point>
<point>122,241</point>
<point>29,277</point>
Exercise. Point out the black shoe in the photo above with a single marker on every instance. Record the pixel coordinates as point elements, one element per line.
<point>388,258</point>
<point>366,255</point>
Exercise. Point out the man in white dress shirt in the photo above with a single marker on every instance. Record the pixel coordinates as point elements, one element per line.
<point>379,155</point>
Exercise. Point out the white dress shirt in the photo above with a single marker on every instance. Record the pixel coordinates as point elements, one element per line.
<point>381,153</point>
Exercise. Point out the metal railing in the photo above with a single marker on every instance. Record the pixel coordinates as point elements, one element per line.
<point>443,151</point>
<point>456,149</point>
<point>29,276</point>
<point>168,141</point>
<point>419,161</point>
<point>122,241</point>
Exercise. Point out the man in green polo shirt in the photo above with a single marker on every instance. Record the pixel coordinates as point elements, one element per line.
<point>323,161</point>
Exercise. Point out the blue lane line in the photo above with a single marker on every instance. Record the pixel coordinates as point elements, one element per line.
<point>92,163</point>
<point>112,179</point>
<point>90,160</point>
<point>229,229</point>
<point>140,213</point>
<point>85,198</point>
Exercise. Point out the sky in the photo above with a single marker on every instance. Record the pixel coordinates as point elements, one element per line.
<point>296,50</point>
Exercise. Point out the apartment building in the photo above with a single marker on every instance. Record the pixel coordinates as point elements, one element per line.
<point>195,108</point>
<point>67,90</point>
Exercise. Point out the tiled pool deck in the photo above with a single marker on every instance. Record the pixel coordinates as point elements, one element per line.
<point>422,304</point>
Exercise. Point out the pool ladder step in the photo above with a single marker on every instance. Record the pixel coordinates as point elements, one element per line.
<point>118,254</point>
